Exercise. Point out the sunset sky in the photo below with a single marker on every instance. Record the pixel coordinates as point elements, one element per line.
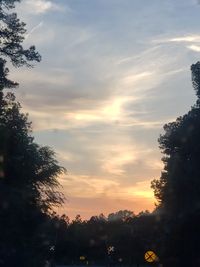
<point>113,73</point>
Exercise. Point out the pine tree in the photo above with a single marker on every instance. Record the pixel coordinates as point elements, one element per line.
<point>28,189</point>
<point>28,172</point>
<point>12,35</point>
<point>178,189</point>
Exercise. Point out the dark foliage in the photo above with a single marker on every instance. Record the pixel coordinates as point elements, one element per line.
<point>28,187</point>
<point>28,172</point>
<point>12,35</point>
<point>178,189</point>
<point>131,238</point>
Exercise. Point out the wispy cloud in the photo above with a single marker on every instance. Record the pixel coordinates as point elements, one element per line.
<point>186,40</point>
<point>131,79</point>
<point>180,39</point>
<point>42,6</point>
<point>117,157</point>
<point>195,48</point>
<point>89,187</point>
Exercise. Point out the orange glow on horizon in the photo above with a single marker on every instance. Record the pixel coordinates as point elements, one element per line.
<point>90,207</point>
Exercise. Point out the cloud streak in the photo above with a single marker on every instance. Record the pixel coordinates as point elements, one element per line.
<point>180,39</point>
<point>195,48</point>
<point>34,29</point>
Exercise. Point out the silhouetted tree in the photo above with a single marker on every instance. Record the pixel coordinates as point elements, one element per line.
<point>28,174</point>
<point>12,35</point>
<point>4,83</point>
<point>178,189</point>
<point>28,188</point>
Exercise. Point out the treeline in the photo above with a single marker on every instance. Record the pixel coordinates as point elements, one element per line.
<point>88,241</point>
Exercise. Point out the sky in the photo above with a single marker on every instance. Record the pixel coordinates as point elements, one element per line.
<point>113,72</point>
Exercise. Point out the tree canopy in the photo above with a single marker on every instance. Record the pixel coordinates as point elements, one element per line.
<point>12,35</point>
<point>178,189</point>
<point>29,186</point>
